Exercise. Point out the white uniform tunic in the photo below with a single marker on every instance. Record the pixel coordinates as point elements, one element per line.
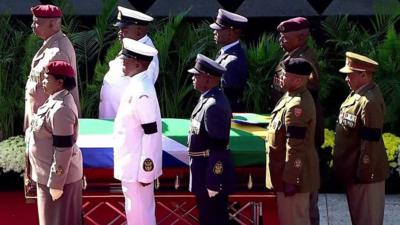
<point>115,82</point>
<point>138,156</point>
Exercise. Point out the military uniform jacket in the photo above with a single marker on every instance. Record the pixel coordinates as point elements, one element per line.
<point>55,158</point>
<point>209,130</point>
<point>359,152</point>
<point>291,155</point>
<point>308,54</point>
<point>56,47</point>
<point>138,133</point>
<point>115,82</point>
<point>234,79</point>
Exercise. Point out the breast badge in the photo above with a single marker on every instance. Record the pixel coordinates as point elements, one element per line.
<point>148,165</point>
<point>218,168</point>
<point>297,163</point>
<point>365,159</point>
<point>59,171</point>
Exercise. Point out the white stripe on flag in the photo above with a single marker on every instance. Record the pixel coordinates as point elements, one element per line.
<point>176,149</point>
<point>95,141</point>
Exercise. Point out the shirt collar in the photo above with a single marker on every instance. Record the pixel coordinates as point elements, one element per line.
<point>144,39</point>
<point>204,94</point>
<point>298,49</point>
<point>138,76</point>
<point>52,96</point>
<point>226,47</point>
<point>52,36</point>
<point>361,88</point>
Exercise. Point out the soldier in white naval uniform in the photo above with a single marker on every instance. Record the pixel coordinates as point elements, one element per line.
<point>137,133</point>
<point>133,25</point>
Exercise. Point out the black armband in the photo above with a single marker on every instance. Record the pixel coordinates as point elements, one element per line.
<point>370,134</point>
<point>296,132</point>
<point>150,128</point>
<point>63,141</point>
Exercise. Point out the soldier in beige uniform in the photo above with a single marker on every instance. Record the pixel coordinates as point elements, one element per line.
<point>56,46</point>
<point>292,168</point>
<point>360,158</point>
<point>55,158</point>
<point>294,34</point>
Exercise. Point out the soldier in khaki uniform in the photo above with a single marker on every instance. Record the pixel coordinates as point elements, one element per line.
<point>56,46</point>
<point>360,158</point>
<point>292,162</point>
<point>294,34</point>
<point>55,158</point>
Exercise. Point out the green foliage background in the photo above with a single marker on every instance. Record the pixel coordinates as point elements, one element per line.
<point>178,43</point>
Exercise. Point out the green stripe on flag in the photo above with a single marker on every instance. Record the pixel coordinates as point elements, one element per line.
<point>176,129</point>
<point>247,149</point>
<point>95,126</point>
<point>246,141</point>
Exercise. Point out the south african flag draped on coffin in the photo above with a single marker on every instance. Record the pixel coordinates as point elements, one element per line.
<point>246,141</point>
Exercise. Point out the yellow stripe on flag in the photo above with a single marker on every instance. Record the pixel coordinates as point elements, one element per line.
<point>254,130</point>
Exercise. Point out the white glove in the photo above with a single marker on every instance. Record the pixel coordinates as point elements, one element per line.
<point>56,193</point>
<point>212,193</point>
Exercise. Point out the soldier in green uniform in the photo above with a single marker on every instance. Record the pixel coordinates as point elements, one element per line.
<point>294,34</point>
<point>360,159</point>
<point>292,168</point>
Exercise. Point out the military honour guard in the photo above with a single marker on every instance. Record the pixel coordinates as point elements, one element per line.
<point>293,37</point>
<point>211,169</point>
<point>128,96</point>
<point>137,135</point>
<point>228,29</point>
<point>46,25</point>
<point>360,159</point>
<point>134,25</point>
<point>55,159</point>
<point>292,166</point>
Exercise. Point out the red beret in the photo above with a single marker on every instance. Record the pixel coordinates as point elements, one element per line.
<point>60,68</point>
<point>294,24</point>
<point>46,11</point>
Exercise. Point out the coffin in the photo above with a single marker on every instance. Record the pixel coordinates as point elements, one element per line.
<point>246,143</point>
